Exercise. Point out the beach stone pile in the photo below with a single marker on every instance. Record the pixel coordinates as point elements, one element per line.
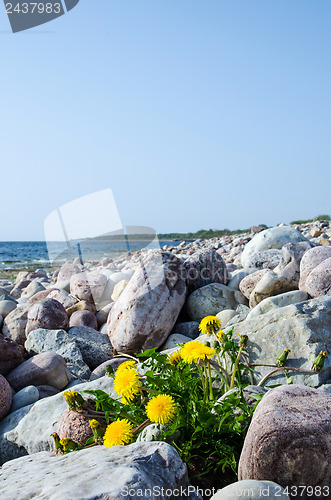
<point>62,328</point>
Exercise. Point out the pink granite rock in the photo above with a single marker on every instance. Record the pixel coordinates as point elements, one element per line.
<point>11,355</point>
<point>318,281</point>
<point>83,318</point>
<point>15,323</point>
<point>5,397</point>
<point>48,314</point>
<point>88,285</point>
<point>67,271</point>
<point>248,283</point>
<point>311,259</point>
<point>204,267</point>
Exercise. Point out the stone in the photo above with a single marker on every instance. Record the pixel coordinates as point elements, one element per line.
<point>204,267</point>
<point>251,489</point>
<point>82,305</point>
<point>173,339</point>
<point>311,259</point>
<point>146,311</point>
<point>83,318</point>
<point>304,328</point>
<point>267,259</point>
<point>6,307</point>
<point>45,391</point>
<point>11,355</point>
<point>281,300</point>
<point>63,297</point>
<point>74,426</point>
<point>236,277</point>
<point>211,299</point>
<point>289,438</point>
<point>242,312</point>
<point>276,237</point>
<point>113,278</point>
<point>26,396</point>
<point>37,297</point>
<point>47,314</point>
<point>151,433</point>
<point>289,265</point>
<point>88,285</point>
<point>5,296</point>
<point>99,473</point>
<point>5,397</point>
<point>63,285</point>
<point>318,281</point>
<point>29,429</point>
<point>102,315</point>
<point>33,288</point>
<point>45,368</point>
<point>60,342</point>
<point>249,282</point>
<point>188,328</point>
<point>114,363</point>
<point>226,315</point>
<point>67,271</point>
<point>118,289</point>
<point>15,323</point>
<point>269,285</point>
<point>95,347</point>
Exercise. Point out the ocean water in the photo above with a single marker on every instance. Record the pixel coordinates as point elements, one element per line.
<point>38,254</point>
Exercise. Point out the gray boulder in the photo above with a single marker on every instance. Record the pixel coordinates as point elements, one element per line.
<point>267,259</point>
<point>146,311</point>
<point>95,347</point>
<point>269,285</point>
<point>6,307</point>
<point>99,473</point>
<point>211,299</point>
<point>204,267</point>
<point>60,342</point>
<point>276,237</point>
<point>45,368</point>
<point>15,323</point>
<point>282,300</point>
<point>289,439</point>
<point>26,396</point>
<point>289,265</point>
<point>33,288</point>
<point>304,328</point>
<point>188,328</point>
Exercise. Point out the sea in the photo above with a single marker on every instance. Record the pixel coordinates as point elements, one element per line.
<point>16,255</point>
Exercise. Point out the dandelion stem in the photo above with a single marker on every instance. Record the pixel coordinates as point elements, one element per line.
<point>236,367</point>
<point>280,368</point>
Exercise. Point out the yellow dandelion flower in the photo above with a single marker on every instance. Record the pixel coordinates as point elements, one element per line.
<point>161,409</point>
<point>125,366</point>
<point>73,399</point>
<point>175,357</point>
<point>220,335</point>
<point>210,325</point>
<point>94,424</point>
<point>118,433</point>
<point>126,384</point>
<point>195,351</point>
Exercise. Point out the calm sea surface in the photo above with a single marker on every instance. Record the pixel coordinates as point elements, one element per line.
<point>22,254</point>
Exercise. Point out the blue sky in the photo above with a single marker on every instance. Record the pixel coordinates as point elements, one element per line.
<point>197,114</point>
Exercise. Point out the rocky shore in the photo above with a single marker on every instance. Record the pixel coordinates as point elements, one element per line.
<point>61,328</point>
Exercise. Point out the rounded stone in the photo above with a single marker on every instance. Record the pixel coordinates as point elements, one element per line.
<point>83,318</point>
<point>204,267</point>
<point>63,297</point>
<point>251,489</point>
<point>6,307</point>
<point>26,396</point>
<point>88,285</point>
<point>11,355</point>
<point>45,391</point>
<point>311,259</point>
<point>67,271</point>
<point>5,397</point>
<point>75,426</point>
<point>48,314</point>
<point>318,281</point>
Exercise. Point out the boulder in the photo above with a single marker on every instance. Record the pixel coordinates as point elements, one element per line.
<point>63,297</point>
<point>289,439</point>
<point>173,339</point>
<point>205,266</point>
<point>269,285</point>
<point>46,368</point>
<point>5,397</point>
<point>289,265</point>
<point>99,473</point>
<point>11,355</point>
<point>67,271</point>
<point>15,323</point>
<point>33,288</point>
<point>83,318</point>
<point>276,237</point>
<point>248,283</point>
<point>48,314</point>
<point>268,259</point>
<point>282,300</point>
<point>118,289</point>
<point>311,259</point>
<point>37,297</point>
<point>88,285</point>
<point>95,347</point>
<point>82,305</point>
<point>26,396</point>
<point>28,430</point>
<point>188,328</point>
<point>45,391</point>
<point>251,489</point>
<point>236,277</point>
<point>226,315</point>
<point>211,299</point>
<point>114,363</point>
<point>318,281</point>
<point>304,328</point>
<point>147,309</point>
<point>74,426</point>
<point>102,315</point>
<point>60,342</point>
<point>6,307</point>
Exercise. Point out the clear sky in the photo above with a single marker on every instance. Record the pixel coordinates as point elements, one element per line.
<point>196,113</point>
